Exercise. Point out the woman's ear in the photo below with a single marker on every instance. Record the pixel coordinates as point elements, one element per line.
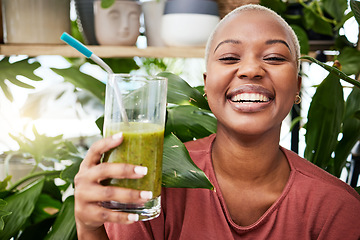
<point>298,83</point>
<point>204,77</point>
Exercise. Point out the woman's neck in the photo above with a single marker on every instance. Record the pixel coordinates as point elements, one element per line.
<point>248,158</point>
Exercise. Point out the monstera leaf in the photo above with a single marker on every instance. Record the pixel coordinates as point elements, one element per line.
<point>10,71</point>
<point>179,171</point>
<point>83,81</point>
<point>181,93</point>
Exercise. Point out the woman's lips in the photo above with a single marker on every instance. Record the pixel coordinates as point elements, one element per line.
<point>250,98</point>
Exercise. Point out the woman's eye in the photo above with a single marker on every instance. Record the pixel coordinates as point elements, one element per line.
<point>276,59</point>
<point>229,59</point>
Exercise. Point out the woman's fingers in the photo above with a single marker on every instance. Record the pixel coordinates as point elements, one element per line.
<point>91,215</point>
<point>96,150</point>
<point>104,171</point>
<point>89,192</point>
<point>110,193</point>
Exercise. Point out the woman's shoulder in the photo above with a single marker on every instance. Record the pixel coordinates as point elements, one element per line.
<point>315,177</point>
<point>202,144</point>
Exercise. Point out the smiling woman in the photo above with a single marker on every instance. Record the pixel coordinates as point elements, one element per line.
<point>263,191</point>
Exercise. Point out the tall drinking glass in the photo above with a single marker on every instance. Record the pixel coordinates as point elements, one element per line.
<point>143,100</point>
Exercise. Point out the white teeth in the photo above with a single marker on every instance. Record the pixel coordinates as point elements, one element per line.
<point>250,97</point>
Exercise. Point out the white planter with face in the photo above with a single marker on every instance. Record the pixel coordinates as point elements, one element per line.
<point>117,25</point>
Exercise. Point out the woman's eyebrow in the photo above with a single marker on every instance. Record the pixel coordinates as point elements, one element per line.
<point>268,42</point>
<point>274,41</point>
<point>234,41</point>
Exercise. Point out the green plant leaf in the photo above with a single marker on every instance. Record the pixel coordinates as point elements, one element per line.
<point>276,5</point>
<point>355,8</point>
<point>351,131</point>
<point>41,148</point>
<point>4,183</point>
<point>324,122</point>
<point>83,81</point>
<point>349,59</point>
<point>189,122</point>
<point>10,71</point>
<point>314,22</point>
<point>303,38</point>
<point>357,189</point>
<point>68,174</point>
<point>181,93</point>
<point>46,207</point>
<point>41,229</point>
<point>107,3</point>
<point>21,204</point>
<point>64,226</point>
<point>3,214</point>
<point>179,171</point>
<point>335,8</point>
<point>334,71</point>
<point>121,65</point>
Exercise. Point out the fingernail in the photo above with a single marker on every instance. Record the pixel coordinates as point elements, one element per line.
<point>140,170</point>
<point>117,136</point>
<point>133,217</point>
<point>146,194</point>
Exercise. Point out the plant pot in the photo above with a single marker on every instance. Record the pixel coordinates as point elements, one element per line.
<point>35,21</point>
<point>226,6</point>
<point>188,22</point>
<point>118,24</point>
<point>85,13</point>
<point>153,12</point>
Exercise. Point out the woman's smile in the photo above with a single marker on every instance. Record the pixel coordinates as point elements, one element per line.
<point>250,98</point>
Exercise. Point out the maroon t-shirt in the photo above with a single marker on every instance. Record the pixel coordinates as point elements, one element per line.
<point>313,205</point>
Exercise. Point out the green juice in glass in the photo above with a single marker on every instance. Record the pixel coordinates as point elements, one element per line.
<point>142,145</point>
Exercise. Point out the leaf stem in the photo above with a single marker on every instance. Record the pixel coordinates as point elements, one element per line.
<point>34,175</point>
<point>334,70</point>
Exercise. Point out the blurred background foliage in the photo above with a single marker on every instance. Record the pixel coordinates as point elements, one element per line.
<point>42,201</point>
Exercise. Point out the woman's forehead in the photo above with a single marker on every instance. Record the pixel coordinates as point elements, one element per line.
<point>258,22</point>
<point>252,24</point>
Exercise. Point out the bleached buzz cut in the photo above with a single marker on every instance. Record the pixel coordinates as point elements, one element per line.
<point>258,8</point>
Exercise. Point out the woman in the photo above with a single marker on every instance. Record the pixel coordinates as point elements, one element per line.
<point>262,191</point>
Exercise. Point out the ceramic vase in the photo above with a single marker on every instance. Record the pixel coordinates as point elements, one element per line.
<point>119,24</point>
<point>153,11</point>
<point>188,22</point>
<point>85,20</point>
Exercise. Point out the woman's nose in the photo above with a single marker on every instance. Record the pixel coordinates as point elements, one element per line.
<point>250,68</point>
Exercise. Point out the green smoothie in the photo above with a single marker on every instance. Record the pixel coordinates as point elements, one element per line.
<point>142,145</point>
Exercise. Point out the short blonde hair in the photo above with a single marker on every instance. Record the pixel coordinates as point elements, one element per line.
<point>259,8</point>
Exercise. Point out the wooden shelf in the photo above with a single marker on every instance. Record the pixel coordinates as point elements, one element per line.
<point>33,50</point>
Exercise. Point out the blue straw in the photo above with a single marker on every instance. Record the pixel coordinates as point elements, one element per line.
<point>89,54</point>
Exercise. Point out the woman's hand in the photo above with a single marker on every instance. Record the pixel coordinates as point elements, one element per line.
<point>89,215</point>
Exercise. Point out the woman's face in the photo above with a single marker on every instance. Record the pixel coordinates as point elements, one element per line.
<point>251,79</point>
